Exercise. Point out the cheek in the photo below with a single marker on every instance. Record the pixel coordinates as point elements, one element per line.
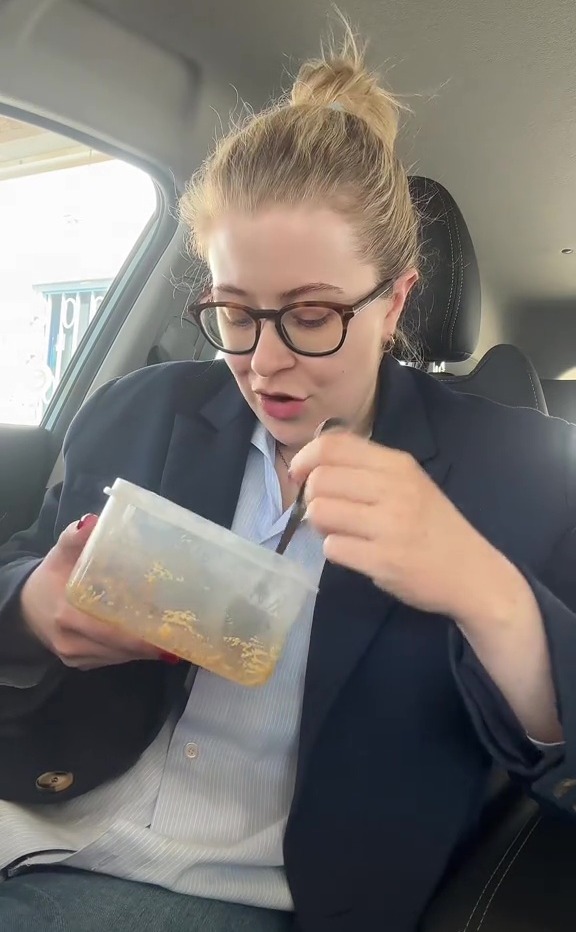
<point>239,366</point>
<point>362,351</point>
<point>336,376</point>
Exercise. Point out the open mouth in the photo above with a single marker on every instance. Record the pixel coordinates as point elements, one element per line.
<point>280,405</point>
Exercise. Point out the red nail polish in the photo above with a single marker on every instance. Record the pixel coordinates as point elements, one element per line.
<point>83,520</point>
<point>166,657</point>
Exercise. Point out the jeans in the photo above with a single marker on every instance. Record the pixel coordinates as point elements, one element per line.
<point>67,900</point>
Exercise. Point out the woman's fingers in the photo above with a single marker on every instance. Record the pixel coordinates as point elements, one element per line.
<point>348,518</point>
<point>101,633</point>
<point>354,484</point>
<point>347,450</point>
<point>75,650</point>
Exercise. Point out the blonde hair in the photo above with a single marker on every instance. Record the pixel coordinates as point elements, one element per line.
<point>331,142</point>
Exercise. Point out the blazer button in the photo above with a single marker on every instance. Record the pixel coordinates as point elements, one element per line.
<point>563,787</point>
<point>54,781</point>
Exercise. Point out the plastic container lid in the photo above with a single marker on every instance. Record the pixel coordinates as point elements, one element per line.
<point>162,509</point>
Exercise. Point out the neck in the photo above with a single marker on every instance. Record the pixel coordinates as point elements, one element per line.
<point>286,454</point>
<point>366,424</point>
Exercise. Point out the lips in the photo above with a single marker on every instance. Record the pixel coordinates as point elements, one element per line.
<point>279,396</point>
<point>280,406</point>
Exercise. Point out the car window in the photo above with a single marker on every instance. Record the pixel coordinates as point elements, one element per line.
<point>69,218</point>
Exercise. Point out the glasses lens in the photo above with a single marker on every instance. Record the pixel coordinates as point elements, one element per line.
<point>312,329</point>
<point>230,328</point>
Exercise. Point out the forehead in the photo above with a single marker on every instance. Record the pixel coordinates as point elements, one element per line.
<point>277,249</point>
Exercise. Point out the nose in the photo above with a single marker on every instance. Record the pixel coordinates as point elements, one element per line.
<point>271,354</point>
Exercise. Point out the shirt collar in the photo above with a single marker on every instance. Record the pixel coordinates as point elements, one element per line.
<point>264,441</point>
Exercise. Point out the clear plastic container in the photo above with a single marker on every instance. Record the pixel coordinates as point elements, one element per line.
<point>188,586</point>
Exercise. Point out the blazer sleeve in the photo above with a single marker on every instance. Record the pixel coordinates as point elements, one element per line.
<point>28,671</point>
<point>550,772</point>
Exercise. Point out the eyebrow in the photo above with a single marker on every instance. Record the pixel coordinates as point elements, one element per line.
<point>291,295</point>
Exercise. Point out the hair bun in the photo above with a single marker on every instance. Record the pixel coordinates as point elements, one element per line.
<point>341,80</point>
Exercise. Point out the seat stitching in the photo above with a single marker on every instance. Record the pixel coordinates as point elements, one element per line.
<point>447,312</point>
<point>500,882</point>
<point>461,283</point>
<point>534,390</point>
<point>447,209</point>
<point>450,377</point>
<point>495,871</point>
<point>458,302</point>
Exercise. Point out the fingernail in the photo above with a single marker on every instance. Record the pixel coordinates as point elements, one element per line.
<point>166,657</point>
<point>83,520</point>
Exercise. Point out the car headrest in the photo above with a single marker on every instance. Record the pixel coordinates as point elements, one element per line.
<point>444,311</point>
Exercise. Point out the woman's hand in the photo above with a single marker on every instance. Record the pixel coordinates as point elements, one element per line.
<point>383,516</point>
<point>77,639</point>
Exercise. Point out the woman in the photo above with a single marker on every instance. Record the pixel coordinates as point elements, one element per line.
<point>443,633</point>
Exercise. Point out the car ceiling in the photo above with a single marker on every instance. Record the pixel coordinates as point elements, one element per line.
<point>492,87</point>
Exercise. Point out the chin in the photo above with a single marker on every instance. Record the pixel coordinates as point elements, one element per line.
<point>296,438</point>
<point>287,433</point>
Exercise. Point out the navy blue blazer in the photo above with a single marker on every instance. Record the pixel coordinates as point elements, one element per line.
<point>400,724</point>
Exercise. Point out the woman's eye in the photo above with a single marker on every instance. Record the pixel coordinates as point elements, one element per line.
<point>240,322</point>
<point>311,321</point>
<point>236,320</point>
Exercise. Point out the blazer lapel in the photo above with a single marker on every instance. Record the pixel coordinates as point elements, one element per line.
<point>204,467</point>
<point>350,609</point>
<point>207,454</point>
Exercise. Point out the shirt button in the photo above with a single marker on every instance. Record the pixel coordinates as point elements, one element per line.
<point>191,750</point>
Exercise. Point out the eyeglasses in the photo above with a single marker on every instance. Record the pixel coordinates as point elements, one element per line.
<point>309,328</point>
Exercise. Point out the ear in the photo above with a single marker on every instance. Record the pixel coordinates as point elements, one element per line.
<point>402,288</point>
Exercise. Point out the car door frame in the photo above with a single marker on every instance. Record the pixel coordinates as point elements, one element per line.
<point>31,452</point>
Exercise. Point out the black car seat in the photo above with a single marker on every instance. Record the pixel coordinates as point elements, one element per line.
<point>560,397</point>
<point>517,872</point>
<point>444,313</point>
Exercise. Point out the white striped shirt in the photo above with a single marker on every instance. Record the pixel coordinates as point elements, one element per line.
<point>203,812</point>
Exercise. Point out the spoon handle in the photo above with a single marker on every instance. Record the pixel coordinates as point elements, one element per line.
<point>299,506</point>
<point>296,515</point>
